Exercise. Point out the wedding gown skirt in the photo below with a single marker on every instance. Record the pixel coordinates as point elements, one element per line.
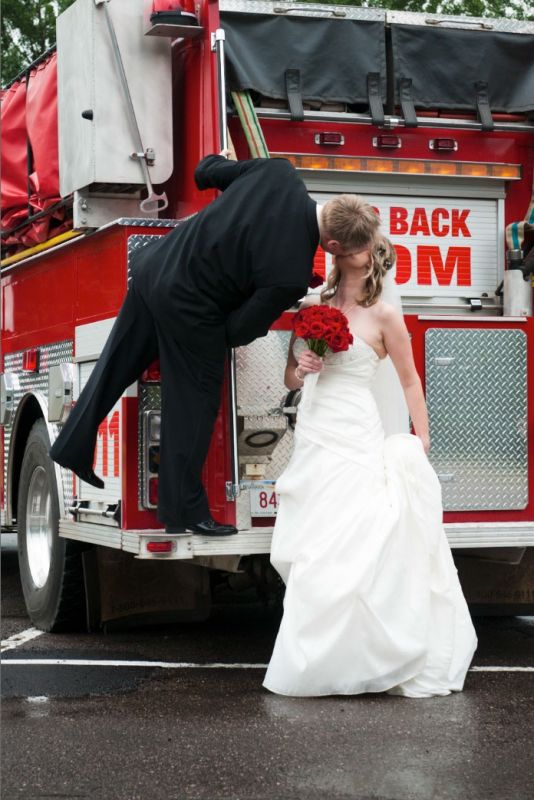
<point>373,602</point>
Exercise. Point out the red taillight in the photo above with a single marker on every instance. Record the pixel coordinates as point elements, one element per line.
<point>159,547</point>
<point>173,5</point>
<point>30,360</point>
<point>153,491</point>
<point>161,6</point>
<point>386,141</point>
<point>329,138</point>
<point>152,374</point>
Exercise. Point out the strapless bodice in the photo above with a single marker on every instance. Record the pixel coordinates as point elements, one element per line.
<point>337,408</point>
<point>355,366</point>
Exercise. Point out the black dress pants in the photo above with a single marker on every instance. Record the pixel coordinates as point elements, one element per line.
<point>191,388</point>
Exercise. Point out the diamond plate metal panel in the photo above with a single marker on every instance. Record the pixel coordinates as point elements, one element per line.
<point>261,394</point>
<point>503,25</point>
<point>146,222</point>
<point>49,356</point>
<point>260,373</point>
<point>298,9</point>
<point>136,242</point>
<point>476,391</point>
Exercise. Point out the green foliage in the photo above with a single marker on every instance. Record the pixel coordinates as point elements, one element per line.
<point>29,26</point>
<point>28,29</point>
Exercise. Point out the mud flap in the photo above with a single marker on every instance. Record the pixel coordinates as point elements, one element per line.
<point>124,592</point>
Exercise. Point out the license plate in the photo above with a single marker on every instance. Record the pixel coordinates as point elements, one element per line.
<point>263,501</point>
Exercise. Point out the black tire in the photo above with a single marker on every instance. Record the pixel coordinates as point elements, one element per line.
<point>55,597</point>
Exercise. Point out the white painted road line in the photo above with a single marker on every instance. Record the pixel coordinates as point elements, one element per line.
<point>78,662</point>
<point>19,638</point>
<point>501,669</point>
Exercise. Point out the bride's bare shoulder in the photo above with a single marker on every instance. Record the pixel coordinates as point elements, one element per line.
<point>386,312</point>
<point>390,320</point>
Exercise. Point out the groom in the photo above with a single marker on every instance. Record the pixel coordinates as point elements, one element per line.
<point>218,280</point>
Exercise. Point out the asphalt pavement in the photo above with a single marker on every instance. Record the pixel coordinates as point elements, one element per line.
<point>178,712</point>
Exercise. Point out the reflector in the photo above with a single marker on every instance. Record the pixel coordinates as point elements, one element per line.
<point>154,426</point>
<point>443,145</point>
<point>153,491</point>
<point>159,547</point>
<point>387,141</point>
<point>30,360</point>
<point>329,138</point>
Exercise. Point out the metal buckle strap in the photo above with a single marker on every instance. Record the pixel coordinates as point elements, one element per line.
<point>294,94</point>
<point>406,100</point>
<point>483,106</point>
<point>375,100</point>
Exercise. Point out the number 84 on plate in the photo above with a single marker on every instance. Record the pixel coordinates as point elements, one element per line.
<point>263,501</point>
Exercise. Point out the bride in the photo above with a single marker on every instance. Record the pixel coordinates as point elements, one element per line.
<point>372,602</point>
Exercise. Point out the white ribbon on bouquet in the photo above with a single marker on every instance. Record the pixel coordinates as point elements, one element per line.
<point>310,381</point>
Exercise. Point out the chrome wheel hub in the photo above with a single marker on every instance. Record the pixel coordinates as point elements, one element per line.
<point>39,531</point>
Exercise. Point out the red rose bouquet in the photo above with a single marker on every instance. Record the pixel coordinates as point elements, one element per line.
<point>323,327</point>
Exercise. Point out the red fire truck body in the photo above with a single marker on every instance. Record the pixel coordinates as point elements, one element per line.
<point>446,190</point>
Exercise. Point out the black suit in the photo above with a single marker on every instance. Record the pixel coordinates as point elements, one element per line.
<point>219,279</point>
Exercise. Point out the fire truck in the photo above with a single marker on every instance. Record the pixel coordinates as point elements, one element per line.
<point>430,118</point>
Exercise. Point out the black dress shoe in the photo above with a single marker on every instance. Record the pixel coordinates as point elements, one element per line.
<point>89,476</point>
<point>211,527</point>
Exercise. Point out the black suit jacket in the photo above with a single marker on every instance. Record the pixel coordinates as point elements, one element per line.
<point>226,274</point>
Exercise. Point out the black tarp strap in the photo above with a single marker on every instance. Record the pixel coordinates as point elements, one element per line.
<point>406,100</point>
<point>483,106</point>
<point>375,100</point>
<point>294,94</point>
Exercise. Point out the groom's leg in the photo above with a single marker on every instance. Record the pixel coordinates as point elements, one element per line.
<point>131,347</point>
<point>191,393</point>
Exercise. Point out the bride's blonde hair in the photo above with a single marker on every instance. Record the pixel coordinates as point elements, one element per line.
<point>381,258</point>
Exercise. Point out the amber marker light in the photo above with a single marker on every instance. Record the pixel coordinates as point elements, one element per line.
<point>410,167</point>
<point>350,164</point>
<point>378,165</point>
<point>403,166</point>
<point>319,162</point>
<point>443,168</point>
<point>476,170</point>
<point>511,172</point>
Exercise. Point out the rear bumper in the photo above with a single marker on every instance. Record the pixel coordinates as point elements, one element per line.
<point>253,542</point>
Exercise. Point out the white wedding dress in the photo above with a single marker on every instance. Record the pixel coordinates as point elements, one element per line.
<point>372,600</point>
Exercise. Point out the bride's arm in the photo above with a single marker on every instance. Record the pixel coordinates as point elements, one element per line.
<point>308,361</point>
<point>290,379</point>
<point>399,347</point>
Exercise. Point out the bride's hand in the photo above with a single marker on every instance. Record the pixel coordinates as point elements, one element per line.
<point>426,443</point>
<point>310,362</point>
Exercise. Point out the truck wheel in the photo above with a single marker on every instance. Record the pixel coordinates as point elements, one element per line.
<point>51,570</point>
